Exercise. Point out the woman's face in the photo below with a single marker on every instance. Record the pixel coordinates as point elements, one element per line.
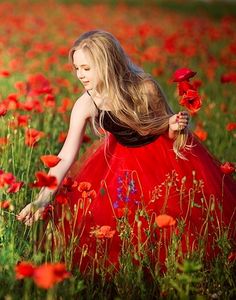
<point>85,69</point>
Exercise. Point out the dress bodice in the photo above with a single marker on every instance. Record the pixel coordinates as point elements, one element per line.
<point>124,135</point>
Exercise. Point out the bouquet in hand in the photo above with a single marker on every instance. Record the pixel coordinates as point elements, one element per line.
<point>189,96</point>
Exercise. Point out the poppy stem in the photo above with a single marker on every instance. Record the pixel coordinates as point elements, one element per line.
<point>8,212</point>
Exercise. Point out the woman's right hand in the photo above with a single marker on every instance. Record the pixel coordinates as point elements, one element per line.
<point>31,212</point>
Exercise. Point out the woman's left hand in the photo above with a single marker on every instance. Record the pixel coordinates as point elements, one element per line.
<point>179,121</point>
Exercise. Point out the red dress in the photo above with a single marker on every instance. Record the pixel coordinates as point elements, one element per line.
<point>134,198</point>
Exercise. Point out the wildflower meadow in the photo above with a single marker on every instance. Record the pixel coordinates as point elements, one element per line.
<point>37,92</point>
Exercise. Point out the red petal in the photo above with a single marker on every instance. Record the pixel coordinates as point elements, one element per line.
<point>45,180</point>
<point>44,276</point>
<point>24,269</point>
<point>165,221</point>
<point>227,168</point>
<point>3,110</point>
<point>50,160</point>
<point>183,74</point>
<point>15,187</point>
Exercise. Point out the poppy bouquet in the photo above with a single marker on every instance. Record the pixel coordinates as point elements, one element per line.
<point>189,96</point>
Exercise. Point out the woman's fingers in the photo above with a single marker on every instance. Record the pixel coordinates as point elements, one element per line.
<point>31,218</point>
<point>182,119</point>
<point>179,121</point>
<point>24,213</point>
<point>183,115</point>
<point>38,214</point>
<point>28,222</point>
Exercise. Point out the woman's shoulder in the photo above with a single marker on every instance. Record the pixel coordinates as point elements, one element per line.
<point>84,105</point>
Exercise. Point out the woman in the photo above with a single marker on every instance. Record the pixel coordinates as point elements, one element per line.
<point>150,177</point>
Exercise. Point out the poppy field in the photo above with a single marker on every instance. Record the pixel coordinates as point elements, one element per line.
<point>37,92</point>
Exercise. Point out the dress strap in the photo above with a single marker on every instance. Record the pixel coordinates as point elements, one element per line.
<point>93,101</point>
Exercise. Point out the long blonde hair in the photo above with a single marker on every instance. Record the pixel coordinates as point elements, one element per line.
<point>137,99</point>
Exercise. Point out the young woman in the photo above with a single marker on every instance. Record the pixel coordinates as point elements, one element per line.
<point>149,178</point>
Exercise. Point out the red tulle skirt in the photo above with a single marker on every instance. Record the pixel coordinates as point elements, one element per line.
<point>144,204</point>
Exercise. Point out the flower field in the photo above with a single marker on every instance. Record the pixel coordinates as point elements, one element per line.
<point>37,92</point>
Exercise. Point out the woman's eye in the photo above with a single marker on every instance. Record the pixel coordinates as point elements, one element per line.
<point>86,69</point>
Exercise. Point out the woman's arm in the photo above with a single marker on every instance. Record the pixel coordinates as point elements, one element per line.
<point>82,110</point>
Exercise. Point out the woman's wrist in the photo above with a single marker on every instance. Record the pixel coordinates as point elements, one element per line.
<point>172,133</point>
<point>44,198</point>
<point>41,203</point>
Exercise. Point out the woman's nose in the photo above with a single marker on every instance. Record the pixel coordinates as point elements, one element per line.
<point>80,74</point>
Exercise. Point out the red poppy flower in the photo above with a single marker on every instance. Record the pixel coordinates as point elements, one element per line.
<point>170,43</point>
<point>21,87</point>
<point>50,160</point>
<point>191,100</point>
<point>24,269</point>
<point>5,73</point>
<point>151,54</point>
<point>84,186</point>
<point>62,137</point>
<point>12,97</point>
<point>91,194</point>
<point>231,126</point>
<point>29,105</point>
<point>144,30</point>
<point>12,102</point>
<point>44,276</point>
<point>5,204</point>
<point>47,275</point>
<point>183,74</point>
<point>229,77</point>
<point>44,180</point>
<point>61,198</point>
<point>22,120</point>
<point>49,100</point>
<point>15,187</point>
<point>85,189</point>
<point>3,110</point>
<point>32,136</point>
<point>3,141</point>
<point>60,272</point>
<point>6,178</point>
<point>65,105</point>
<point>38,84</point>
<point>201,134</point>
<point>184,86</point>
<point>68,183</point>
<point>196,83</point>
<point>104,232</point>
<point>47,212</point>
<point>63,51</point>
<point>165,221</point>
<point>227,168</point>
<point>32,105</point>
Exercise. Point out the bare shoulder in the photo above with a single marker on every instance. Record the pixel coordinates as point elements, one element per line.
<point>84,106</point>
